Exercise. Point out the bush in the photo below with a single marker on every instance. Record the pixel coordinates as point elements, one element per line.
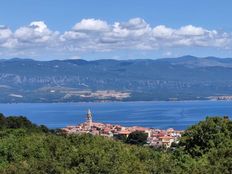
<point>137,138</point>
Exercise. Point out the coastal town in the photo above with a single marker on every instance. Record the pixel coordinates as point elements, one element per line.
<point>155,137</point>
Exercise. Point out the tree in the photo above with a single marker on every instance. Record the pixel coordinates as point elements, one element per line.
<point>137,137</point>
<point>19,122</point>
<point>27,150</point>
<point>120,137</point>
<point>214,132</point>
<point>2,121</point>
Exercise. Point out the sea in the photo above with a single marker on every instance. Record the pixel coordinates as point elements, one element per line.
<point>152,114</point>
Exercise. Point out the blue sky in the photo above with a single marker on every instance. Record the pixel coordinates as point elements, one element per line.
<point>122,29</point>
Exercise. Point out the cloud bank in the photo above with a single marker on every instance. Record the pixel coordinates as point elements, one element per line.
<point>95,35</point>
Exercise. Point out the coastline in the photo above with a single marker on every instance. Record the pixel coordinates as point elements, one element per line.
<point>151,114</point>
<point>115,101</point>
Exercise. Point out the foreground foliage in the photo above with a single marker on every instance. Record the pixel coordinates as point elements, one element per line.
<point>27,148</point>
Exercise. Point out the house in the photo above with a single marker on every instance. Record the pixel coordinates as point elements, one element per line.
<point>166,141</point>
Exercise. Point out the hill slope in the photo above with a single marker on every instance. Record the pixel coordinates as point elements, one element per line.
<point>26,148</point>
<point>188,77</point>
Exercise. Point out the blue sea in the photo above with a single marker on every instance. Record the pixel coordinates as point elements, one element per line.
<point>179,115</point>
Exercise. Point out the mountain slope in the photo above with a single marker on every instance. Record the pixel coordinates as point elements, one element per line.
<point>188,77</point>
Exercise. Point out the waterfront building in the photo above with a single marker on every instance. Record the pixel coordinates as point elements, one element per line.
<point>156,137</point>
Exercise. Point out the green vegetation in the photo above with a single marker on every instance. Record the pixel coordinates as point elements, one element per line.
<point>26,148</point>
<point>213,133</point>
<point>137,137</point>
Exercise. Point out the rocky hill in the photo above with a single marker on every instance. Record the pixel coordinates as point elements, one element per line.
<point>183,78</point>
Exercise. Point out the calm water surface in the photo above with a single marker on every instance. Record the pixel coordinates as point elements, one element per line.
<point>163,115</point>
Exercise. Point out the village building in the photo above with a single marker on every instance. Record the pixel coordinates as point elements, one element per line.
<point>156,137</point>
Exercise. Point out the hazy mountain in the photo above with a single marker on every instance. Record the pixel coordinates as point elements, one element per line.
<point>188,77</point>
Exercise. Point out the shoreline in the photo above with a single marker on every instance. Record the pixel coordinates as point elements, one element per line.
<point>117,101</point>
<point>150,114</point>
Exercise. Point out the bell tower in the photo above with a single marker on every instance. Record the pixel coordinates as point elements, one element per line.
<point>89,119</point>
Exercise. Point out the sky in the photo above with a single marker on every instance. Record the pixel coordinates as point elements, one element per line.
<point>120,29</point>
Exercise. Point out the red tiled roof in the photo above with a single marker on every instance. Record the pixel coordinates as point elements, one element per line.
<point>166,137</point>
<point>137,128</point>
<point>124,132</point>
<point>159,135</point>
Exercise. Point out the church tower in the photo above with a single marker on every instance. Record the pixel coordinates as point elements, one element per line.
<point>89,119</point>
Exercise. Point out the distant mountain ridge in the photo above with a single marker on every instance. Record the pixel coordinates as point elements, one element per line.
<point>200,62</point>
<point>183,78</point>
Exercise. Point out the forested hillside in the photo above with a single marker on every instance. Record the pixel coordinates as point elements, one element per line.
<point>27,148</point>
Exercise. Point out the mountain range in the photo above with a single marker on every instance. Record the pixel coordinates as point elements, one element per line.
<point>182,78</point>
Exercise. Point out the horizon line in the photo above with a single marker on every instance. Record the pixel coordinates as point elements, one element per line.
<point>85,59</point>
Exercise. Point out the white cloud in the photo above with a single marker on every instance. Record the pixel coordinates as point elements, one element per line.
<point>190,30</point>
<point>5,32</point>
<point>91,25</point>
<point>39,26</point>
<point>95,35</point>
<point>162,31</point>
<point>6,38</point>
<point>135,24</point>
<point>36,32</point>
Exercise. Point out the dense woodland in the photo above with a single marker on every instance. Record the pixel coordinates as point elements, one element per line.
<point>26,148</point>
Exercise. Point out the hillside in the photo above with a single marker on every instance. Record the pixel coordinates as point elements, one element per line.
<point>26,148</point>
<point>183,78</point>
